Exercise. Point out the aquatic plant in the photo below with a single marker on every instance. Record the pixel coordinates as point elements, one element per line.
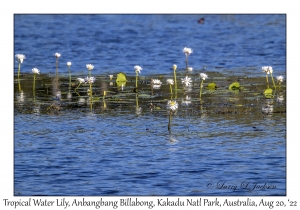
<point>90,81</point>
<point>279,80</point>
<point>175,80</point>
<point>268,70</point>
<point>111,77</point>
<point>57,55</point>
<point>20,58</point>
<point>202,77</point>
<point>137,71</point>
<point>172,107</point>
<point>35,71</point>
<point>70,78</point>
<point>187,52</point>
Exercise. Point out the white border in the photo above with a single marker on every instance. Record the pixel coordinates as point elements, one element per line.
<point>8,8</point>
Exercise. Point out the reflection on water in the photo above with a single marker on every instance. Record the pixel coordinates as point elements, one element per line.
<point>222,131</point>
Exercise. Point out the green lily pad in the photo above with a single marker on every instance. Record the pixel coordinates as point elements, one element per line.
<point>212,86</point>
<point>121,79</point>
<point>268,93</point>
<point>234,86</point>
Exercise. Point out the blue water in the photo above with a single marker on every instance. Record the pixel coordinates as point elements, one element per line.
<point>121,151</point>
<point>116,43</point>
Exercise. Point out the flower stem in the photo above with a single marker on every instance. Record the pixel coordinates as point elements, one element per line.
<point>33,87</point>
<point>136,80</point>
<point>19,69</point>
<point>77,86</point>
<point>273,82</point>
<point>69,79</point>
<point>56,66</point>
<point>91,92</point>
<point>171,89</point>
<point>267,80</point>
<point>186,62</point>
<point>175,81</point>
<point>201,88</point>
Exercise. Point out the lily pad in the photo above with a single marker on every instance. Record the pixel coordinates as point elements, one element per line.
<point>268,93</point>
<point>212,86</point>
<point>234,86</point>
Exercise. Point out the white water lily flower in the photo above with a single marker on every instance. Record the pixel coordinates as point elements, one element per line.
<point>172,105</point>
<point>69,63</point>
<point>174,66</point>
<point>156,82</point>
<point>80,80</point>
<point>186,81</point>
<point>170,81</point>
<point>190,68</point>
<point>279,78</point>
<point>111,76</point>
<point>203,76</point>
<point>57,55</point>
<point>187,51</point>
<point>20,57</point>
<point>138,69</point>
<point>90,80</point>
<point>267,69</point>
<point>35,71</point>
<point>89,67</point>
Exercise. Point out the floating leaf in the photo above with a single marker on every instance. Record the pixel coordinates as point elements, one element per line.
<point>268,93</point>
<point>212,86</point>
<point>234,86</point>
<point>121,79</point>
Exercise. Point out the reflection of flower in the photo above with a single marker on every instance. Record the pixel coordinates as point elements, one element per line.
<point>156,82</point>
<point>20,97</point>
<point>57,55</point>
<point>80,80</point>
<point>268,108</point>
<point>20,57</point>
<point>138,69</point>
<point>89,67</point>
<point>190,68</point>
<point>187,101</point>
<point>138,110</point>
<point>187,51</point>
<point>280,99</point>
<point>69,63</point>
<point>279,78</point>
<point>172,105</point>
<point>35,71</point>
<point>90,80</point>
<point>186,81</point>
<point>81,101</point>
<point>203,76</point>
